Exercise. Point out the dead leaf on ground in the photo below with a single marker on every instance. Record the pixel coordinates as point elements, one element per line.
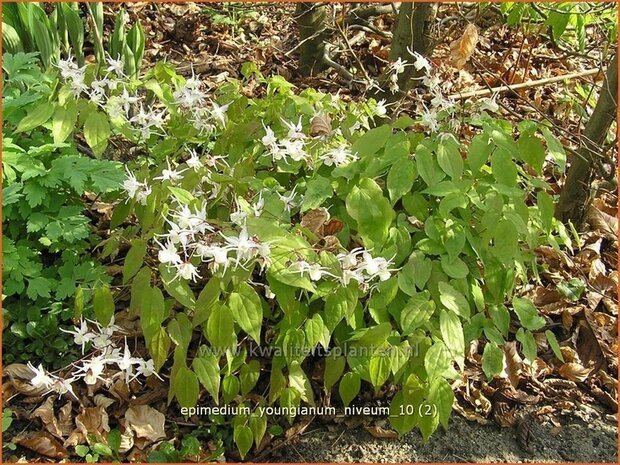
<point>146,422</point>
<point>93,421</point>
<point>463,48</point>
<point>379,432</point>
<point>574,372</point>
<point>45,413</point>
<point>43,443</point>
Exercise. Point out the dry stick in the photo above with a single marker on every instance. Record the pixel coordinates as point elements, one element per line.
<point>523,85</point>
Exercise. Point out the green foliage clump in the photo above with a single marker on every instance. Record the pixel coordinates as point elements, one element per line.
<point>47,236</point>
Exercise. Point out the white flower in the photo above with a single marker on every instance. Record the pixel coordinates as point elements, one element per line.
<point>257,207</point>
<point>169,174</point>
<point>421,63</point>
<point>81,336</point>
<point>192,221</point>
<point>115,66</point>
<point>126,100</point>
<point>294,148</point>
<point>349,259</point>
<point>339,156</point>
<point>489,104</point>
<point>294,130</point>
<point>187,271</point>
<point>243,245</point>
<point>146,368</point>
<point>62,386</point>
<point>194,161</point>
<point>430,120</point>
<point>238,217</point>
<point>315,271</point>
<point>41,378</point>
<point>399,66</point>
<point>143,194</point>
<point>131,184</point>
<point>168,253</point>
<point>381,108</point>
<point>93,369</point>
<point>269,139</point>
<point>219,113</point>
<point>269,293</point>
<point>289,200</point>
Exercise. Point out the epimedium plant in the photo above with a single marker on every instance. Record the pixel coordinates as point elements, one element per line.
<point>266,231</point>
<point>287,222</point>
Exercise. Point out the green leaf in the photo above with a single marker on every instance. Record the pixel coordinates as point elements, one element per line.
<point>114,440</point>
<point>427,167</point>
<point>152,310</point>
<point>437,359</point>
<point>243,439</point>
<point>553,343</point>
<point>492,360</point>
<point>379,368</point>
<point>258,425</point>
<point>416,312</point>
<point>339,304</point>
<point>64,121</point>
<point>400,179</point>
<point>528,344</point>
<point>176,287</point>
<point>38,286</point>
<point>316,332</point>
<point>207,300</point>
<point>318,190</point>
<point>572,289</point>
<point>506,241</point>
<point>207,369</point>
<point>103,304</point>
<point>134,259</point>
<point>158,345</point>
<point>453,300</point>
<point>349,387</point>
<point>532,151</point>
<point>97,132</point>
<point>221,328</point>
<point>36,117</point>
<point>528,314</point>
<point>230,388</point>
<point>372,141</point>
<point>501,318</point>
<point>299,381</point>
<point>180,331</point>
<point>248,376</point>
<point>183,196</point>
<point>247,310</point>
<point>454,267</point>
<point>504,168</point>
<point>452,333</point>
<point>371,211</point>
<point>480,149</point>
<point>440,394</point>
<point>185,385</point>
<point>449,157</point>
<point>334,366</point>
<point>545,210</point>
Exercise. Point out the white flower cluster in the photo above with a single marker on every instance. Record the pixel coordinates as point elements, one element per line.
<point>357,265</point>
<point>293,147</point>
<point>93,369</point>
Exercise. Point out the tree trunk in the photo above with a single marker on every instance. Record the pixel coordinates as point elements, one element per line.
<point>412,31</point>
<point>310,19</point>
<point>575,196</point>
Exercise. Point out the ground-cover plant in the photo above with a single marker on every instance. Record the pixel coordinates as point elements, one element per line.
<point>47,237</point>
<point>266,232</point>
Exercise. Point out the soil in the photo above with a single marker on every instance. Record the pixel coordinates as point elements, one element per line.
<point>585,436</point>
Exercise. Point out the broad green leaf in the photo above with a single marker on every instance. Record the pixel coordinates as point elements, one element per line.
<point>207,300</point>
<point>134,259</point>
<point>416,312</point>
<point>318,190</point>
<point>185,385</point>
<point>158,345</point>
<point>64,121</point>
<point>36,117</point>
<point>334,366</point>
<point>258,425</point>
<point>454,267</point>
<point>207,369</point>
<point>427,167</point>
<point>316,332</point>
<point>453,300</point>
<point>103,304</point>
<point>180,330</point>
<point>349,387</point>
<point>528,314</point>
<point>248,376</point>
<point>501,318</point>
<point>479,152</point>
<point>176,287</point>
<point>528,344</point>
<point>449,157</point>
<point>246,308</point>
<point>437,359</point>
<point>372,141</point>
<point>379,368</point>
<point>440,394</point>
<point>492,360</point>
<point>545,210</point>
<point>532,151</point>
<point>97,132</point>
<point>572,289</point>
<point>244,438</point>
<point>152,311</point>
<point>504,168</point>
<point>299,381</point>
<point>220,329</point>
<point>371,211</point>
<point>400,179</point>
<point>452,333</point>
<point>230,388</point>
<point>340,304</point>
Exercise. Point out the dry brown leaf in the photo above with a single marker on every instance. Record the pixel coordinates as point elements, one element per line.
<point>378,432</point>
<point>514,363</point>
<point>574,372</point>
<point>315,220</point>
<point>588,346</point>
<point>462,49</point>
<point>146,422</point>
<point>43,443</point>
<point>93,421</point>
<point>103,401</point>
<point>321,125</point>
<point>65,419</point>
<point>45,413</point>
